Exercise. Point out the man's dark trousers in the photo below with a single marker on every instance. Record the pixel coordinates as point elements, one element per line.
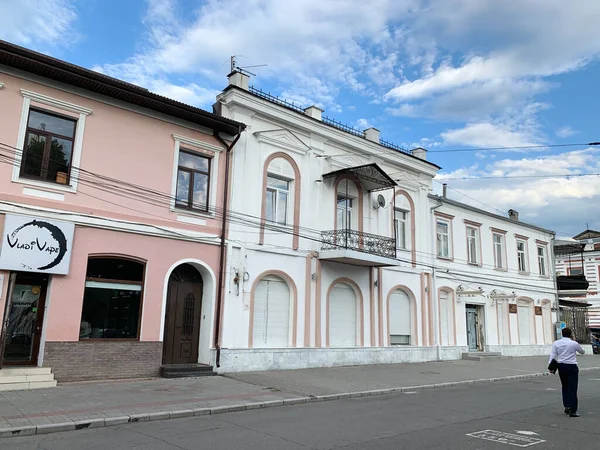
<point>569,378</point>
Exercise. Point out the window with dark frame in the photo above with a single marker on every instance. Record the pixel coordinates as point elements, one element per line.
<point>112,300</point>
<point>48,148</point>
<point>193,181</point>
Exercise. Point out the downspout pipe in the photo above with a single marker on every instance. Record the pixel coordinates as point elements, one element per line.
<point>434,294</point>
<point>221,281</point>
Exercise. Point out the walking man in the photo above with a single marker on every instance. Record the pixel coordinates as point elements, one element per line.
<point>564,351</point>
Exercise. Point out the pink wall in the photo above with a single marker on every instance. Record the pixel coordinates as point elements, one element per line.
<point>66,292</point>
<point>117,143</point>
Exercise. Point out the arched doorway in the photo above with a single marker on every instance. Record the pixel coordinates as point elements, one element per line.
<point>182,317</point>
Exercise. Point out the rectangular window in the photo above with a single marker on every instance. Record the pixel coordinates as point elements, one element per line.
<point>575,271</point>
<point>473,245</point>
<point>499,251</point>
<point>542,260</point>
<point>344,213</point>
<point>193,179</point>
<point>278,191</point>
<point>522,255</point>
<point>399,339</point>
<point>443,239</point>
<point>112,299</point>
<point>48,148</point>
<point>401,224</point>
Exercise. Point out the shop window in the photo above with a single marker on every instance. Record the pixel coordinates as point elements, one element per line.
<point>112,301</point>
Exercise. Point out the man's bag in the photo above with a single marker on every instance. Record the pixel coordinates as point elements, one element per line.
<point>553,366</point>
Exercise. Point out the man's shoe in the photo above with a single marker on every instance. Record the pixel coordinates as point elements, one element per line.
<point>567,411</point>
<point>574,414</point>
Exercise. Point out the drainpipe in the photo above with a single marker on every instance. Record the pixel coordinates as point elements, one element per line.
<point>434,295</point>
<point>221,282</point>
<point>555,282</point>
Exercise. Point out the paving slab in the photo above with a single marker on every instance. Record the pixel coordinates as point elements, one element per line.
<point>335,380</point>
<point>79,406</point>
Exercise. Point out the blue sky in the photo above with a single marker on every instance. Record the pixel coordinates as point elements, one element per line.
<point>442,74</point>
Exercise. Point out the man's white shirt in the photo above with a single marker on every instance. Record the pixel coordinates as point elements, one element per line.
<point>565,351</point>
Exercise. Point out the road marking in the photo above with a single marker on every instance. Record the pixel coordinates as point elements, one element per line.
<point>527,433</point>
<point>551,389</point>
<point>506,438</point>
<point>594,379</point>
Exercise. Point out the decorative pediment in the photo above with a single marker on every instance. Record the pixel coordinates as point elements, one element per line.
<point>283,138</point>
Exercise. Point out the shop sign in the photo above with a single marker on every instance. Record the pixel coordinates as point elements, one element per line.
<point>31,244</point>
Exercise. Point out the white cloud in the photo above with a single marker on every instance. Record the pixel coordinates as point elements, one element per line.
<point>304,44</point>
<point>537,199</point>
<point>565,132</point>
<point>362,124</point>
<point>38,23</point>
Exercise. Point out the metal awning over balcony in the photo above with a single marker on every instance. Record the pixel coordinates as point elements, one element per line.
<point>358,249</point>
<point>372,177</point>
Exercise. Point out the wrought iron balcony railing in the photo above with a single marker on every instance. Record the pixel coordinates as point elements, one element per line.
<point>360,242</point>
<point>572,282</point>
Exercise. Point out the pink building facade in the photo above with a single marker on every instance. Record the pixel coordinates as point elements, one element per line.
<point>110,209</point>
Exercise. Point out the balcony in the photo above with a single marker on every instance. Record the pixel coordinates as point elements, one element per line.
<point>572,285</point>
<point>358,248</point>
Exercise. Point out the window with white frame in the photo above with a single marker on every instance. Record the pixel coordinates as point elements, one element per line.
<point>344,213</point>
<point>51,142</point>
<point>443,238</point>
<point>401,228</point>
<point>541,254</point>
<point>499,251</point>
<point>278,191</point>
<point>522,255</point>
<point>473,245</point>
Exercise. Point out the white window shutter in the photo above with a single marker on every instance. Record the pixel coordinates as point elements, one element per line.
<point>444,318</point>
<point>400,318</point>
<point>271,313</point>
<point>342,316</point>
<point>524,314</point>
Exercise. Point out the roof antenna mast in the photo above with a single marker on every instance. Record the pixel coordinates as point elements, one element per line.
<point>235,67</point>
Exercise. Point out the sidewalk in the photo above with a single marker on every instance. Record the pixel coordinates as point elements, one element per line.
<point>86,405</point>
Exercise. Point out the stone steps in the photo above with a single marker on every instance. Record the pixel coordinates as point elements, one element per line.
<point>25,378</point>
<point>186,370</point>
<point>483,356</point>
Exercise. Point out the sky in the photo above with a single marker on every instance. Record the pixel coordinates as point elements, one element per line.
<point>446,75</point>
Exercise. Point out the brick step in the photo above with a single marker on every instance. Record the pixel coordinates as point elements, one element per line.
<point>186,370</point>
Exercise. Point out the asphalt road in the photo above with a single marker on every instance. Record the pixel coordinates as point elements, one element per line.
<point>431,419</point>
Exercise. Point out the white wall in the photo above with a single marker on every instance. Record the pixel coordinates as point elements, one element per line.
<point>317,149</point>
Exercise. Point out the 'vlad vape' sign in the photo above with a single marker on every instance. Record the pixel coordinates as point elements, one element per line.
<point>36,245</point>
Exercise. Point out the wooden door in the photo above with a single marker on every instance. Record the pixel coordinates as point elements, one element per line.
<point>182,320</point>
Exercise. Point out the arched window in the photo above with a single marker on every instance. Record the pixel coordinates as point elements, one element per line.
<point>279,198</point>
<point>400,313</point>
<point>112,301</point>
<point>342,316</point>
<point>271,313</point>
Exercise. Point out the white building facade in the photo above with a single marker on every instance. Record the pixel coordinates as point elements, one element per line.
<point>333,251</point>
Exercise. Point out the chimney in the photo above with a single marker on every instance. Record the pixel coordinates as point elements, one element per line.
<point>371,134</point>
<point>238,79</point>
<point>444,189</point>
<point>420,153</point>
<point>314,111</point>
<point>512,214</point>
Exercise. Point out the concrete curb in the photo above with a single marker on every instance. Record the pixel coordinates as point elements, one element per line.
<point>145,417</point>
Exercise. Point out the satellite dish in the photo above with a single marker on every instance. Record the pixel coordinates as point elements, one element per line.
<point>380,202</point>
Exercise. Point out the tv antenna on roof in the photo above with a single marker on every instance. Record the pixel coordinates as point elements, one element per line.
<point>235,67</point>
